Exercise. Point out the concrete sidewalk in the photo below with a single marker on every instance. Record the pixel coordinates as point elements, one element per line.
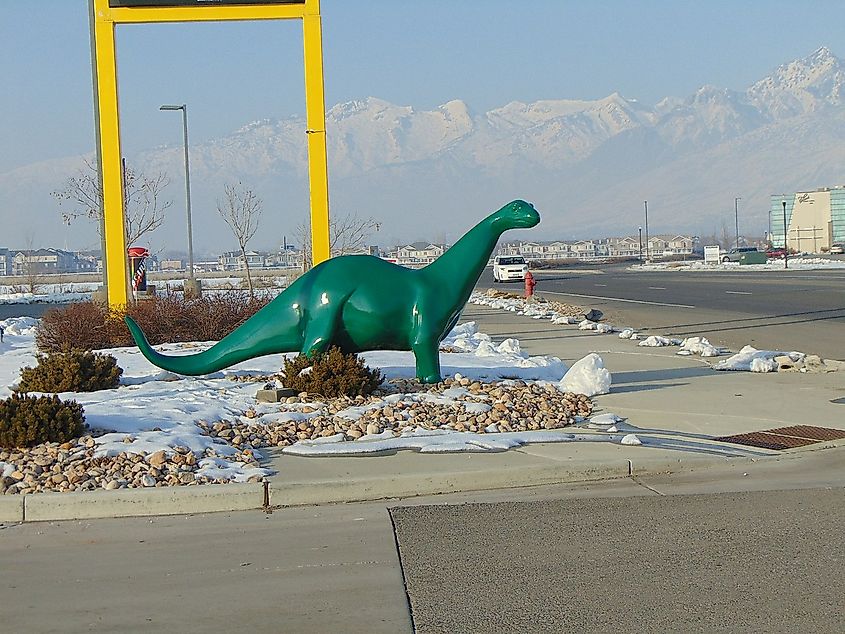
<point>677,403</point>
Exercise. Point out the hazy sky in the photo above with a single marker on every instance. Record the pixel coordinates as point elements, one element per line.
<point>420,53</point>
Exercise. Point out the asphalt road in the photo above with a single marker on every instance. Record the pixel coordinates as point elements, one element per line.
<point>767,562</point>
<point>335,568</point>
<point>24,310</point>
<point>793,310</point>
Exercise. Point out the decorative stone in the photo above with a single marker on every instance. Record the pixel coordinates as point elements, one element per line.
<point>158,458</point>
<point>274,395</point>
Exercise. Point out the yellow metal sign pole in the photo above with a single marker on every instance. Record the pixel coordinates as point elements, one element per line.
<point>114,259</point>
<point>105,19</point>
<point>315,121</point>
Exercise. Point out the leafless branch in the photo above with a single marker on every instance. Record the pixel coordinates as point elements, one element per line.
<point>347,234</point>
<point>240,208</point>
<point>82,197</point>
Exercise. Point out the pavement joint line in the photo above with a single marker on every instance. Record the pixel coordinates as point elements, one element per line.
<point>618,299</point>
<point>644,485</point>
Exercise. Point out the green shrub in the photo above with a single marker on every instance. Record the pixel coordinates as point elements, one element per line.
<point>332,373</point>
<point>74,371</point>
<point>26,421</point>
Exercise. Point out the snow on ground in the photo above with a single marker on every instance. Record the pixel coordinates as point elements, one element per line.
<point>802,263</point>
<point>750,359</point>
<point>59,293</point>
<point>47,293</point>
<point>587,376</point>
<point>156,410</point>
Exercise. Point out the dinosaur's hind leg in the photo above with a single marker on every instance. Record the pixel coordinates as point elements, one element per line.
<point>427,354</point>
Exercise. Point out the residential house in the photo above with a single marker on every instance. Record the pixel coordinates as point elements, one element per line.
<point>287,257</point>
<point>585,249</point>
<point>5,262</point>
<point>419,253</point>
<point>662,246</point>
<point>626,247</point>
<point>42,261</point>
<point>86,263</point>
<point>234,261</point>
<point>172,264</point>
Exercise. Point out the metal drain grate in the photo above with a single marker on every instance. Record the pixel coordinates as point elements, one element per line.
<point>784,437</point>
<point>809,431</point>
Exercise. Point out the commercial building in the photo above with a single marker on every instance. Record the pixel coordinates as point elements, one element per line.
<point>814,220</point>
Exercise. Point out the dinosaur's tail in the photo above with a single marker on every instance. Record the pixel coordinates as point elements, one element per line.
<point>254,338</point>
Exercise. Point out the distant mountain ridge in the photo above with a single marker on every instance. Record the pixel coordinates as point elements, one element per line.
<point>587,165</point>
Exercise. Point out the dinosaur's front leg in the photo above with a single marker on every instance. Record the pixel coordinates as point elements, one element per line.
<point>427,354</point>
<point>319,330</point>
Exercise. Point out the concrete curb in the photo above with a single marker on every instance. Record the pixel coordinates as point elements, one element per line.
<point>412,485</point>
<point>42,507</point>
<point>11,508</point>
<point>416,484</point>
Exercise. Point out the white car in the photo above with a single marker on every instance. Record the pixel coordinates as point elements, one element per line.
<point>837,248</point>
<point>509,268</point>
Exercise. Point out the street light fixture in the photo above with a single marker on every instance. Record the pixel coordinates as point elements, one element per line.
<point>736,219</point>
<point>645,202</point>
<point>640,229</point>
<point>184,109</point>
<point>785,241</point>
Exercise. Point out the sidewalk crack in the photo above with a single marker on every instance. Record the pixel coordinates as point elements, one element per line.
<point>645,486</point>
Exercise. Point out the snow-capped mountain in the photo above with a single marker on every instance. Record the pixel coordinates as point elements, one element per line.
<point>803,86</point>
<point>588,165</point>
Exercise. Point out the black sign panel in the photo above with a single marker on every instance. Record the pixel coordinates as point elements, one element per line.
<point>195,3</point>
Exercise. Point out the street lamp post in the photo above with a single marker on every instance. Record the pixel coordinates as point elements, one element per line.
<point>645,203</point>
<point>184,109</point>
<point>769,234</point>
<point>640,229</point>
<point>736,219</point>
<point>785,241</point>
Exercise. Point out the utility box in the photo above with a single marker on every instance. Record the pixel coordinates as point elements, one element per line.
<point>753,257</point>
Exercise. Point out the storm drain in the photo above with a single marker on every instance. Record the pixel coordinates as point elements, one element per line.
<point>784,437</point>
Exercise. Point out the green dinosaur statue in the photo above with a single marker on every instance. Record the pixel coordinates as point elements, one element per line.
<point>361,302</point>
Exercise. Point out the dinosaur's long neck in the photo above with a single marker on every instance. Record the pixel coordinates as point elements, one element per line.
<point>459,268</point>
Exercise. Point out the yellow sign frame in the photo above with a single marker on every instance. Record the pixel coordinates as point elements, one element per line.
<point>104,19</point>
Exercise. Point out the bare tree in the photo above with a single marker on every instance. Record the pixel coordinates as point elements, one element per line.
<point>347,234</point>
<point>725,238</point>
<point>82,197</point>
<point>27,267</point>
<point>240,208</point>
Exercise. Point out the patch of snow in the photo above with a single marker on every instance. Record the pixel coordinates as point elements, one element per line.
<point>700,346</point>
<point>744,360</point>
<point>762,365</point>
<point>587,376</point>
<point>656,341</point>
<point>441,441</point>
<point>630,439</point>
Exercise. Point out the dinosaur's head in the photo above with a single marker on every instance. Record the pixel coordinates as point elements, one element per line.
<point>516,215</point>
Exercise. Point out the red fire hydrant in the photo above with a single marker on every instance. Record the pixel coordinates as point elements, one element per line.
<point>530,283</point>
